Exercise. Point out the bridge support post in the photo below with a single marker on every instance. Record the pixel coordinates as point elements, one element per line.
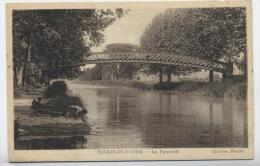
<point>169,75</point>
<point>211,76</point>
<point>229,71</point>
<point>161,75</point>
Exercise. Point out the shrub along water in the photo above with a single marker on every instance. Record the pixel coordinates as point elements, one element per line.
<point>56,89</point>
<point>58,99</point>
<point>62,104</point>
<point>215,89</point>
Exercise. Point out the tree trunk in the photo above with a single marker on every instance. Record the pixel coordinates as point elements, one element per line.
<point>160,75</point>
<point>24,76</point>
<point>15,76</point>
<point>46,81</point>
<point>211,76</point>
<point>245,64</point>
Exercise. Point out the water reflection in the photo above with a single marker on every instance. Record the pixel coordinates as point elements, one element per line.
<point>72,142</point>
<point>126,118</point>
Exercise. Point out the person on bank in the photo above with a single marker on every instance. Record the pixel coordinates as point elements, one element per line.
<point>37,104</point>
<point>76,112</point>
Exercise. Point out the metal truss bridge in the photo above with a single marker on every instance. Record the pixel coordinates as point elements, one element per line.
<point>156,58</point>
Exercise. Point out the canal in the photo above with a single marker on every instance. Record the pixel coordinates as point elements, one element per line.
<point>123,117</point>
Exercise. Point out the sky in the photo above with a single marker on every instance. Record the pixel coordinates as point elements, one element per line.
<point>129,28</point>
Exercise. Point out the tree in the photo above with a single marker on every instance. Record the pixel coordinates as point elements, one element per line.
<point>121,47</point>
<point>54,42</point>
<point>154,40</point>
<point>212,33</point>
<point>127,70</point>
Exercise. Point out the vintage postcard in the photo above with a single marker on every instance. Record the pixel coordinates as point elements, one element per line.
<point>117,81</point>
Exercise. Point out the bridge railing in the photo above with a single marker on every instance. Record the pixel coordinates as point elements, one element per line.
<point>157,58</point>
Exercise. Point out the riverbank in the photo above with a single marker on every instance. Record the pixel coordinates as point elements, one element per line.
<point>128,83</point>
<point>49,112</point>
<point>232,89</point>
<point>27,123</point>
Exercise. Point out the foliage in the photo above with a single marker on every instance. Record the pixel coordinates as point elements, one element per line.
<point>215,89</point>
<point>62,104</point>
<point>212,33</point>
<point>56,41</point>
<point>58,99</point>
<point>56,89</point>
<point>238,91</point>
<point>121,47</point>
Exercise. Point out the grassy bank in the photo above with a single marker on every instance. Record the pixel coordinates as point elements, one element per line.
<point>58,114</point>
<point>34,92</point>
<point>27,123</point>
<point>215,89</point>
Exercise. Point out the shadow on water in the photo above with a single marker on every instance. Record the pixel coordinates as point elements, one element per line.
<point>73,142</point>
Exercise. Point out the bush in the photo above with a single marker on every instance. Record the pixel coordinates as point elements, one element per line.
<point>189,86</point>
<point>216,89</point>
<point>58,99</point>
<point>238,91</point>
<point>166,86</point>
<point>62,103</point>
<point>57,88</point>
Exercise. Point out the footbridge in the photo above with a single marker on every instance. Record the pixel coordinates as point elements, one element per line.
<point>159,58</point>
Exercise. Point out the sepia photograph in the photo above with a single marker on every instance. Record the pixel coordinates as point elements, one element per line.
<point>130,80</point>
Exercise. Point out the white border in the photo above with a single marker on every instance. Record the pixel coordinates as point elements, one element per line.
<point>3,100</point>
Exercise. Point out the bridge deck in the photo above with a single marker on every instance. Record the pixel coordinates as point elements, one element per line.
<point>156,58</point>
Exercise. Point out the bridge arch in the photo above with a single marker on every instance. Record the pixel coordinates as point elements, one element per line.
<point>160,58</point>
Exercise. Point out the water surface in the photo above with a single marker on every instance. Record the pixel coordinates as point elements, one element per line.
<point>122,117</point>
